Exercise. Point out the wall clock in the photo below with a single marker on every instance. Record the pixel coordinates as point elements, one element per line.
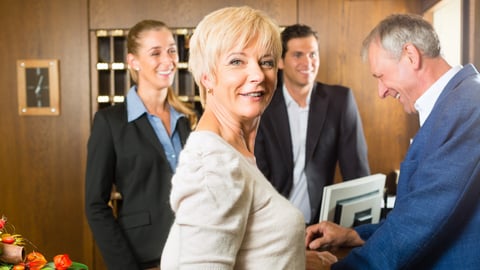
<point>38,87</point>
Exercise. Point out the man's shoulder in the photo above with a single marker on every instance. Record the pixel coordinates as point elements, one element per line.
<point>331,90</point>
<point>331,87</point>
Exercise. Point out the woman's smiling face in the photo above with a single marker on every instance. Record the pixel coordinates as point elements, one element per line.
<point>245,80</point>
<point>157,58</point>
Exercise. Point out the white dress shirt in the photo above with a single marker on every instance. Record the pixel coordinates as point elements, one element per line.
<point>298,122</point>
<point>425,102</point>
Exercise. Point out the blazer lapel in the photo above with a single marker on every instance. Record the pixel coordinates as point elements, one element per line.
<point>147,129</point>
<point>183,127</point>
<point>316,118</point>
<point>281,128</point>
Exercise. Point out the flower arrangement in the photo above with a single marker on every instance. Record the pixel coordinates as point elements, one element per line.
<point>12,253</point>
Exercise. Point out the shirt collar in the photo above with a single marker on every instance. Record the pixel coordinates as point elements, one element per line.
<point>136,108</point>
<point>289,100</point>
<point>426,101</point>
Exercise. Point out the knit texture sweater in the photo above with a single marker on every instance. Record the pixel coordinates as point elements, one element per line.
<point>228,216</point>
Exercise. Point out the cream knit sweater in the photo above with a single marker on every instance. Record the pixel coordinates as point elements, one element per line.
<point>228,216</point>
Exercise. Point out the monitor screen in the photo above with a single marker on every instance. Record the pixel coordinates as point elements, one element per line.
<point>354,202</point>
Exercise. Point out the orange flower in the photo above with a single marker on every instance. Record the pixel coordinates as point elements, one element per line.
<point>7,238</point>
<point>62,262</point>
<point>35,261</point>
<point>3,220</point>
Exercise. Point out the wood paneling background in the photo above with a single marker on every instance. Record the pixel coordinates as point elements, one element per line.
<point>183,13</point>
<point>42,158</point>
<point>342,26</point>
<point>471,20</point>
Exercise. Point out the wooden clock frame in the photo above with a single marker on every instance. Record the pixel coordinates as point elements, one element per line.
<point>34,78</point>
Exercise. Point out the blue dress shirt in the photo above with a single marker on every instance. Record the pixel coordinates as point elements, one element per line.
<point>171,144</point>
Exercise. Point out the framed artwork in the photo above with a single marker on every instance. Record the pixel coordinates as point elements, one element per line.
<point>38,87</point>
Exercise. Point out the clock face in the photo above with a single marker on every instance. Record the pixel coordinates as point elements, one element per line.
<point>37,87</point>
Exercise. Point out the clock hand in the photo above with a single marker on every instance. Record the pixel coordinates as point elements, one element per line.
<point>39,86</point>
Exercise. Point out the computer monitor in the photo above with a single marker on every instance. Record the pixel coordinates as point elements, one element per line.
<point>354,202</point>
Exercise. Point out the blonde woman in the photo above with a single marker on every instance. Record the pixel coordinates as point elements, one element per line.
<point>227,215</point>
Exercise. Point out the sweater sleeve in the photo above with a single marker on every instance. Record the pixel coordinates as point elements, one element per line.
<point>212,201</point>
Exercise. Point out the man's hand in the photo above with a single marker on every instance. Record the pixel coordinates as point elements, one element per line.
<point>319,260</point>
<point>327,234</point>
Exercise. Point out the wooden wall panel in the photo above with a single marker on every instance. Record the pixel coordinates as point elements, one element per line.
<point>341,26</point>
<point>471,21</point>
<point>184,13</point>
<point>42,158</point>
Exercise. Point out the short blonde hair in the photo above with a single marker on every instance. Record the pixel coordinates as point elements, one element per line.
<point>224,29</point>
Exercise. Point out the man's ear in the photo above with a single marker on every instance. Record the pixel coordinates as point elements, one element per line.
<point>413,54</point>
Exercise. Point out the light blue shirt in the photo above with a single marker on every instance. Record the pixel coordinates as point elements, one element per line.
<point>298,122</point>
<point>171,144</point>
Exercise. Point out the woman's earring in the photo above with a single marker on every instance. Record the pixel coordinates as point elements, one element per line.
<point>209,91</point>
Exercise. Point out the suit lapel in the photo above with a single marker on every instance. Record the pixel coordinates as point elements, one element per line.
<point>183,127</point>
<point>144,125</point>
<point>316,118</point>
<point>281,128</point>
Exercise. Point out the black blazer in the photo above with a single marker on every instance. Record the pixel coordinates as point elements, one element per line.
<point>334,133</point>
<point>130,156</point>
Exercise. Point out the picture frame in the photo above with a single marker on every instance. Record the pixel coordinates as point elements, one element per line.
<point>38,87</point>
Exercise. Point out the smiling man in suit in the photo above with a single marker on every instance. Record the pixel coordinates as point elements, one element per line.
<point>308,127</point>
<point>436,218</point>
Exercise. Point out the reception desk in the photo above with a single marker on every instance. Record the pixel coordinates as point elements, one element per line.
<point>339,253</point>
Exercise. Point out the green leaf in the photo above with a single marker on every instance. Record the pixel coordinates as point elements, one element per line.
<point>74,266</point>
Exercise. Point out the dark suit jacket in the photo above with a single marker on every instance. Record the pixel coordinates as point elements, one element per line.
<point>334,134</point>
<point>130,156</point>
